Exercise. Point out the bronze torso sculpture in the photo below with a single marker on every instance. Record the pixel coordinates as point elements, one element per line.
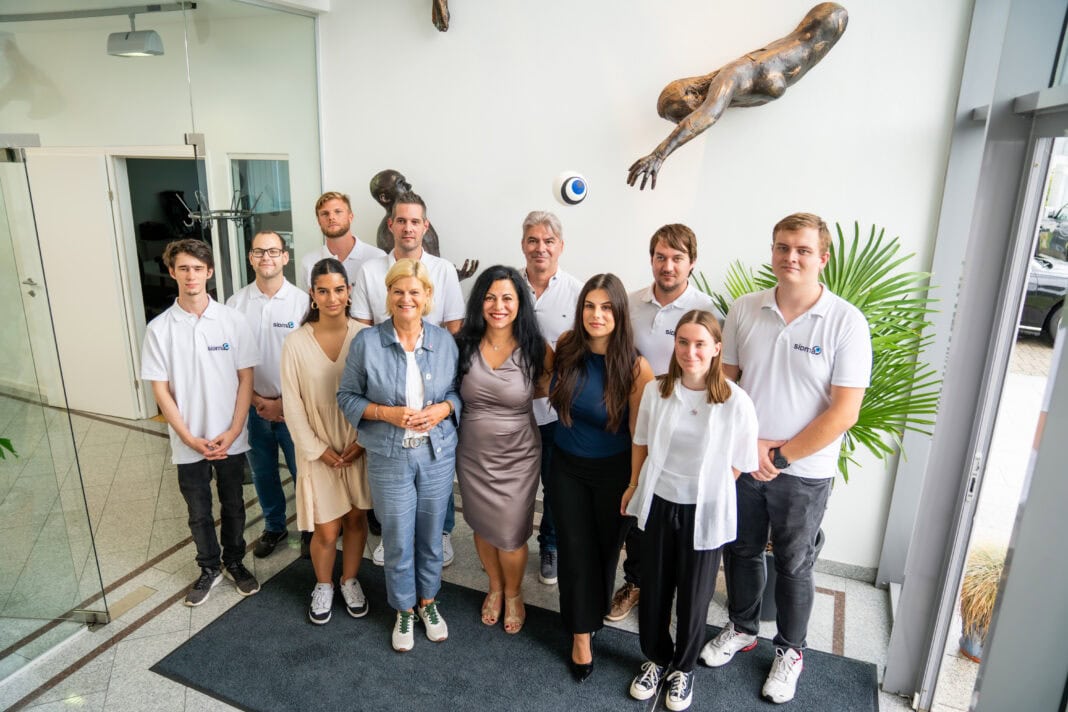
<point>755,78</point>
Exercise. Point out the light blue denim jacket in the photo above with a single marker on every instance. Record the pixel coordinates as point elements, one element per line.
<point>375,372</point>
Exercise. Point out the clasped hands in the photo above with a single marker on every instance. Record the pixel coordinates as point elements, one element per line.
<point>348,456</point>
<point>421,421</point>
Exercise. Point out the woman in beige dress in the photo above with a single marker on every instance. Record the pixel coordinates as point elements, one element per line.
<point>333,495</point>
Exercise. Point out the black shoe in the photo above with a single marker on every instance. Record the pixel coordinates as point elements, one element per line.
<point>267,543</point>
<point>245,583</point>
<point>373,525</point>
<point>305,545</point>
<point>201,588</point>
<point>581,671</point>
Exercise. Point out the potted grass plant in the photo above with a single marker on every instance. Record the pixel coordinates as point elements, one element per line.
<point>978,594</point>
<point>903,394</point>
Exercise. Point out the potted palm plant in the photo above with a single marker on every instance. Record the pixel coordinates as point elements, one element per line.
<point>904,391</point>
<point>978,593</point>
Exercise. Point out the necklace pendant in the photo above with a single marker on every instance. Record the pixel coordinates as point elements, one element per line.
<point>693,411</point>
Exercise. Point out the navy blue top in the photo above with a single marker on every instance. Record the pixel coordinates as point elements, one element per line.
<point>587,436</point>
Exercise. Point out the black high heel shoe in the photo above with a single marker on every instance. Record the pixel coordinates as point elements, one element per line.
<point>580,671</point>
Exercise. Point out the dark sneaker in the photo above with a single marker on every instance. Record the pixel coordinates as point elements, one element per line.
<point>245,583</point>
<point>547,574</point>
<point>679,691</point>
<point>201,588</point>
<point>355,601</point>
<point>321,604</point>
<point>268,542</point>
<point>623,601</point>
<point>305,545</point>
<point>644,685</point>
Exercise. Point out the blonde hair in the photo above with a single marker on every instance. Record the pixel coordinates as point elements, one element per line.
<point>332,195</point>
<point>800,221</point>
<point>410,268</point>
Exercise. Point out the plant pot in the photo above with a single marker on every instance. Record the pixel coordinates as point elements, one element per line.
<point>768,609</point>
<point>971,647</point>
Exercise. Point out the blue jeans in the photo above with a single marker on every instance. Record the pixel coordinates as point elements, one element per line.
<point>194,481</point>
<point>264,439</point>
<point>793,508</point>
<point>411,495</point>
<point>546,532</point>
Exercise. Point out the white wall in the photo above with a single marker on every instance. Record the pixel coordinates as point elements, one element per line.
<point>482,118</point>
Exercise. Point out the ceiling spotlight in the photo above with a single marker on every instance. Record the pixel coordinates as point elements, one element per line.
<point>135,43</point>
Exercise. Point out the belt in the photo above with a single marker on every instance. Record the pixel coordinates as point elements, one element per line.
<point>411,442</point>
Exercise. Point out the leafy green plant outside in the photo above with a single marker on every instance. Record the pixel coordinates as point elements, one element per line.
<point>904,391</point>
<point>5,444</point>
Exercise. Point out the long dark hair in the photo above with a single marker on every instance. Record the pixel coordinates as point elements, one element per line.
<point>716,388</point>
<point>529,342</point>
<point>621,358</point>
<point>327,265</point>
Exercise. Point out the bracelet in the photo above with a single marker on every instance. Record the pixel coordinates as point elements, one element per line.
<point>451,409</point>
<point>629,486</point>
<point>376,411</point>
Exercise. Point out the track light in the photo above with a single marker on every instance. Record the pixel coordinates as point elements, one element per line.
<point>135,43</point>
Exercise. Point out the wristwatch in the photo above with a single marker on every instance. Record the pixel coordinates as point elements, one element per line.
<point>778,460</point>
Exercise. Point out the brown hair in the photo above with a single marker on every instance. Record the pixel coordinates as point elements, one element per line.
<point>717,389</point>
<point>407,198</point>
<point>189,246</point>
<point>677,237</point>
<point>799,221</point>
<point>621,358</point>
<point>332,195</point>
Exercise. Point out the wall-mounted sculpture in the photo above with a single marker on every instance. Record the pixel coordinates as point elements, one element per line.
<point>439,14</point>
<point>385,187</point>
<point>755,78</point>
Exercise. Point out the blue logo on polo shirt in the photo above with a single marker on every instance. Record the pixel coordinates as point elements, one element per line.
<point>283,325</point>
<point>225,347</point>
<point>814,350</point>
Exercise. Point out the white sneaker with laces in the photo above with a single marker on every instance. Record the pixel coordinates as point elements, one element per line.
<point>782,680</point>
<point>721,649</point>
<point>379,555</point>
<point>321,604</point>
<point>436,630</point>
<point>646,683</point>
<point>403,632</point>
<point>447,553</point>
<point>355,601</point>
<point>679,691</point>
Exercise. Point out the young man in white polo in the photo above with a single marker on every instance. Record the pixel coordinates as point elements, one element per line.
<point>408,223</point>
<point>199,356</point>
<point>654,312</point>
<point>273,308</point>
<point>333,210</point>
<point>804,356</point>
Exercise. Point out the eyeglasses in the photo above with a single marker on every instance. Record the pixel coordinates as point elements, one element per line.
<point>271,252</point>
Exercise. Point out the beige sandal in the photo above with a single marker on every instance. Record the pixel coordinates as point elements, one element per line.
<point>491,608</point>
<point>513,619</point>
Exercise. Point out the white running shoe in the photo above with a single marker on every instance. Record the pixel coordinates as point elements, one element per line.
<point>321,604</point>
<point>379,555</point>
<point>721,649</point>
<point>782,680</point>
<point>447,553</point>
<point>436,630</point>
<point>355,601</point>
<point>403,635</point>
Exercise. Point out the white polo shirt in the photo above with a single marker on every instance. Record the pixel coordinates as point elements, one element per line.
<point>360,254</point>
<point>369,289</point>
<point>654,325</point>
<point>555,311</point>
<point>271,320</point>
<point>788,370</point>
<point>199,359</point>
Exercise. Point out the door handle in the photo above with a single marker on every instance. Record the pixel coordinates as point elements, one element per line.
<point>29,282</point>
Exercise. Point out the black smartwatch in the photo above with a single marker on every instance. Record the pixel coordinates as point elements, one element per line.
<point>778,460</point>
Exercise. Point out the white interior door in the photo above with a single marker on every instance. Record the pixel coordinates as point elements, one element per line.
<point>72,205</point>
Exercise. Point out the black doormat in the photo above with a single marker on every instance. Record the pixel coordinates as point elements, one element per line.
<point>263,654</point>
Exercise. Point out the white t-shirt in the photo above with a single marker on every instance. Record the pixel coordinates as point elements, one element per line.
<point>555,311</point>
<point>654,325</point>
<point>361,253</point>
<point>369,289</point>
<point>788,370</point>
<point>199,359</point>
<point>271,320</point>
<point>730,442</point>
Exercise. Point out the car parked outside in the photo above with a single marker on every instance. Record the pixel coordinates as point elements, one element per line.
<point>1047,283</point>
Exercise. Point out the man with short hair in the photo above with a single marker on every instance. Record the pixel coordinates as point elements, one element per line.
<point>803,355</point>
<point>333,210</point>
<point>409,224</point>
<point>654,312</point>
<point>273,308</point>
<point>199,356</point>
<point>555,294</point>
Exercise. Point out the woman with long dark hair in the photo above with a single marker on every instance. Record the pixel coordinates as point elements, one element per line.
<point>695,432</point>
<point>503,365</point>
<point>332,490</point>
<point>597,382</point>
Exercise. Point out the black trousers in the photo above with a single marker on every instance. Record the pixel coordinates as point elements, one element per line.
<point>585,495</point>
<point>194,480</point>
<point>672,568</point>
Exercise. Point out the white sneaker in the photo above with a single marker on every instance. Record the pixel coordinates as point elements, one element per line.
<point>447,553</point>
<point>679,691</point>
<point>321,604</point>
<point>403,635</point>
<point>355,601</point>
<point>782,680</point>
<point>379,555</point>
<point>436,630</point>
<point>647,681</point>
<point>722,648</point>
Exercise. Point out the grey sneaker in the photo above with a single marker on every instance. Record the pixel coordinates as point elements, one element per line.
<point>403,637</point>
<point>679,691</point>
<point>447,553</point>
<point>721,649</point>
<point>355,601</point>
<point>201,588</point>
<point>547,574</point>
<point>245,583</point>
<point>436,630</point>
<point>644,685</point>
<point>321,604</point>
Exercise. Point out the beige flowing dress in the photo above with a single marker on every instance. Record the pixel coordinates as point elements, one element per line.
<point>309,393</point>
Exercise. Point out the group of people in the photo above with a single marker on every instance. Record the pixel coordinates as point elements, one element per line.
<point>647,425</point>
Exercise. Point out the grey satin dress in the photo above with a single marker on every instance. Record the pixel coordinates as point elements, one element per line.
<point>498,458</point>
